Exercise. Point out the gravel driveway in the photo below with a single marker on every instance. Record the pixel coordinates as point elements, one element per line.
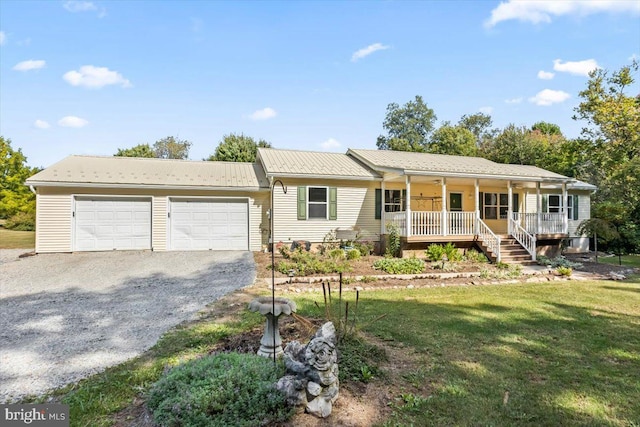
<point>66,316</point>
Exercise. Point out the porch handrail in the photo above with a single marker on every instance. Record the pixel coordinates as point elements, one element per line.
<point>398,219</point>
<point>488,237</point>
<point>426,223</point>
<point>550,223</point>
<point>461,223</point>
<point>528,241</point>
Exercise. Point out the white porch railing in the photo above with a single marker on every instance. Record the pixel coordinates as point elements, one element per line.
<point>397,219</point>
<point>540,223</point>
<point>461,223</point>
<point>489,238</point>
<point>426,223</point>
<point>528,241</point>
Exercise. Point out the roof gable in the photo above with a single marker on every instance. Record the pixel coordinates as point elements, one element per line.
<point>313,164</point>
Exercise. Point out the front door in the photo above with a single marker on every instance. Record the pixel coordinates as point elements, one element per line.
<point>455,202</point>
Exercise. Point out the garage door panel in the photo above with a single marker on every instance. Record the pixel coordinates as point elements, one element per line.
<point>108,224</point>
<point>209,225</point>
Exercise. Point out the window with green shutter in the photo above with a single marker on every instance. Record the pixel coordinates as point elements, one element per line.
<point>317,203</point>
<point>378,201</point>
<point>302,203</point>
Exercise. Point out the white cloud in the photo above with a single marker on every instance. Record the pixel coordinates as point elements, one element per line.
<point>264,114</point>
<point>542,11</point>
<point>330,144</point>
<point>95,77</point>
<point>359,54</point>
<point>545,75</point>
<point>72,122</point>
<point>41,124</point>
<point>513,100</point>
<point>3,38</point>
<point>79,6</point>
<point>486,110</point>
<point>31,64</point>
<point>579,68</point>
<point>549,97</point>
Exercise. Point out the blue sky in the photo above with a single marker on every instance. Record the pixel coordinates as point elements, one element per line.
<point>89,77</point>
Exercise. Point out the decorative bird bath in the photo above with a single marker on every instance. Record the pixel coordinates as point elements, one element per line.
<point>272,309</point>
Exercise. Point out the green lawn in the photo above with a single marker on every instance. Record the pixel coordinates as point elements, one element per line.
<point>17,239</point>
<point>567,353</point>
<point>627,260</point>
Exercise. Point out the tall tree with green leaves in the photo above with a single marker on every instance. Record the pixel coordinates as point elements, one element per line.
<point>140,150</point>
<point>480,125</point>
<point>172,148</point>
<point>14,195</point>
<point>612,130</point>
<point>408,127</point>
<point>238,148</point>
<point>455,140</point>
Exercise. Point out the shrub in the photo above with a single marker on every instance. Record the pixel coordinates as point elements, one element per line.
<point>474,256</point>
<point>452,253</point>
<point>400,265</point>
<point>22,221</point>
<point>337,253</point>
<point>306,263</point>
<point>364,246</point>
<point>353,254</point>
<point>329,242</point>
<point>564,271</point>
<point>221,390</point>
<point>393,238</point>
<point>557,262</point>
<point>368,279</point>
<point>434,252</point>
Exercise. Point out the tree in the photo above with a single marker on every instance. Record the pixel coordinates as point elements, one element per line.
<point>238,148</point>
<point>515,145</point>
<point>479,124</point>
<point>613,150</point>
<point>140,150</point>
<point>165,148</point>
<point>455,140</point>
<point>14,195</point>
<point>172,148</point>
<point>546,128</point>
<point>408,127</point>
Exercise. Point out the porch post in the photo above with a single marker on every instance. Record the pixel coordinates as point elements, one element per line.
<point>565,222</point>
<point>538,208</point>
<point>408,204</point>
<point>444,206</point>
<point>477,208</point>
<point>509,207</point>
<point>383,225</point>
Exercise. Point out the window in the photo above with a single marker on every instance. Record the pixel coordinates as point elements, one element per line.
<point>317,202</point>
<point>394,200</point>
<point>554,204</point>
<point>572,206</point>
<point>496,205</point>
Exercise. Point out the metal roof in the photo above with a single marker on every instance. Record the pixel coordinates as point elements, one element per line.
<point>447,165</point>
<point>313,164</point>
<point>136,171</point>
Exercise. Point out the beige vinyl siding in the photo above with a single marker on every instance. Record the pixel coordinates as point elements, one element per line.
<point>355,203</point>
<point>54,227</point>
<point>584,210</point>
<point>53,223</point>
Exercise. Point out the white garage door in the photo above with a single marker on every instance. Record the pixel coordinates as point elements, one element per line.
<point>220,224</point>
<point>105,224</point>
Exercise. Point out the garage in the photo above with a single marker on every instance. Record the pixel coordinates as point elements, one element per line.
<point>114,223</point>
<point>209,224</point>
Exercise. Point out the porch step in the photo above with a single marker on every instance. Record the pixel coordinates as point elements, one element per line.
<point>511,251</point>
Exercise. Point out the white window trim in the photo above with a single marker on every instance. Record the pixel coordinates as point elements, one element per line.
<point>326,203</point>
<point>558,206</point>
<point>498,205</point>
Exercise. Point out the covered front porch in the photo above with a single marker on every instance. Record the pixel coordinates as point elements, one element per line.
<point>484,210</point>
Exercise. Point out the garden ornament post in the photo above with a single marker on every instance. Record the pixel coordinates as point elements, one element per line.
<point>273,268</point>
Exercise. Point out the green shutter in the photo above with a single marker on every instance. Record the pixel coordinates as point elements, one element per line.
<point>302,203</point>
<point>378,203</point>
<point>481,195</point>
<point>516,202</point>
<point>333,203</point>
<point>575,206</point>
<point>545,203</point>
